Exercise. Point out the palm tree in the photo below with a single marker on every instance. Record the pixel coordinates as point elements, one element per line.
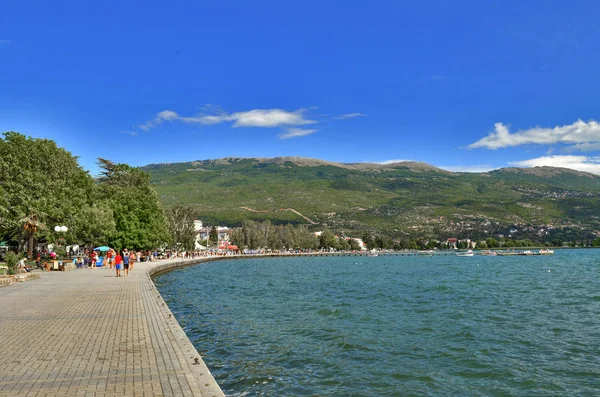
<point>31,224</point>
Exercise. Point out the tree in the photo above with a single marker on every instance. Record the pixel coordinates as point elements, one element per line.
<point>181,227</point>
<point>94,225</point>
<point>31,224</point>
<point>214,235</point>
<point>39,183</point>
<point>327,239</point>
<point>353,245</point>
<point>492,242</point>
<point>368,240</point>
<point>139,218</point>
<point>343,244</point>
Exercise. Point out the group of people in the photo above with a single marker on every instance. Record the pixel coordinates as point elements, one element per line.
<point>120,260</point>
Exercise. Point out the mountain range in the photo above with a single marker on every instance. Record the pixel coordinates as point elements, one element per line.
<point>403,199</point>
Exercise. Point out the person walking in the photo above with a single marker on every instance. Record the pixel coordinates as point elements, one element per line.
<point>110,257</point>
<point>125,262</point>
<point>118,263</point>
<point>94,259</point>
<point>131,260</point>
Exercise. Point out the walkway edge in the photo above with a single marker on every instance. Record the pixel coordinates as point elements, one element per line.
<point>198,369</point>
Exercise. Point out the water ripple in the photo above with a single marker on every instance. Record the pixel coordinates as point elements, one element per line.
<point>395,326</point>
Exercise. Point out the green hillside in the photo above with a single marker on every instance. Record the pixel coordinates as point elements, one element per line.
<point>400,199</point>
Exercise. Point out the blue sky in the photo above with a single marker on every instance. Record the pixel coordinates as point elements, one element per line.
<point>463,85</point>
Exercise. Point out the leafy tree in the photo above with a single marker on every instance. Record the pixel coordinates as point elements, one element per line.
<point>368,240</point>
<point>353,245</point>
<point>343,244</point>
<point>94,225</point>
<point>39,183</point>
<point>213,235</point>
<point>383,242</point>
<point>327,239</point>
<point>289,237</point>
<point>181,226</point>
<point>139,219</point>
<point>305,239</point>
<point>256,235</point>
<point>237,238</point>
<point>492,243</point>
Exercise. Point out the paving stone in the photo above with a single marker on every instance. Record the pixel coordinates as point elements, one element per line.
<point>88,333</point>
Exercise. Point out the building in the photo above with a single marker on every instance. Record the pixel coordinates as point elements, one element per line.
<point>203,233</point>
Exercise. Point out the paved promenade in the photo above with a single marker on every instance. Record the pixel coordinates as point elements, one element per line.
<point>87,333</point>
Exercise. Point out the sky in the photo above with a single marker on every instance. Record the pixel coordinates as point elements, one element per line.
<point>462,85</point>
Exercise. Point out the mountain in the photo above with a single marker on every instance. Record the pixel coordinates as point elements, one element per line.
<point>399,199</point>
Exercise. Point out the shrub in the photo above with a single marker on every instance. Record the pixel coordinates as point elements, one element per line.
<point>12,260</point>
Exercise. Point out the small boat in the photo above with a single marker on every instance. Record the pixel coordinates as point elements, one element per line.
<point>545,251</point>
<point>426,253</point>
<point>465,253</point>
<point>372,253</point>
<point>488,253</point>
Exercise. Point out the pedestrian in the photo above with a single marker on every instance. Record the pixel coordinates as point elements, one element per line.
<point>131,260</point>
<point>109,257</point>
<point>118,261</point>
<point>125,255</point>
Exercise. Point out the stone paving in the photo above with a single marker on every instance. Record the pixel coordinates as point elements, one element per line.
<point>86,333</point>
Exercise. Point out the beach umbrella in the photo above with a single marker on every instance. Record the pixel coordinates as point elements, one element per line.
<point>104,248</point>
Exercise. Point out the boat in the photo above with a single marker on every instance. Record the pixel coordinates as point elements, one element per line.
<point>426,253</point>
<point>488,253</point>
<point>546,251</point>
<point>372,253</point>
<point>465,253</point>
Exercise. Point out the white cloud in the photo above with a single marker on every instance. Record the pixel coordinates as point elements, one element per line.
<point>585,147</point>
<point>295,132</point>
<point>349,116</point>
<point>253,118</point>
<point>167,115</point>
<point>580,133</point>
<point>579,163</point>
<point>270,118</point>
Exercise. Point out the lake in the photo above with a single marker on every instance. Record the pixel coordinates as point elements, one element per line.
<point>395,326</point>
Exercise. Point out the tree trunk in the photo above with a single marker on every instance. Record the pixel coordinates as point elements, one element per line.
<point>30,246</point>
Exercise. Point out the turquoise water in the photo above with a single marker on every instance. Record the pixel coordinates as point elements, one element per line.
<point>395,326</point>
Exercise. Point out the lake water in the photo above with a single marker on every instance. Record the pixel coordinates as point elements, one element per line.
<point>395,326</point>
